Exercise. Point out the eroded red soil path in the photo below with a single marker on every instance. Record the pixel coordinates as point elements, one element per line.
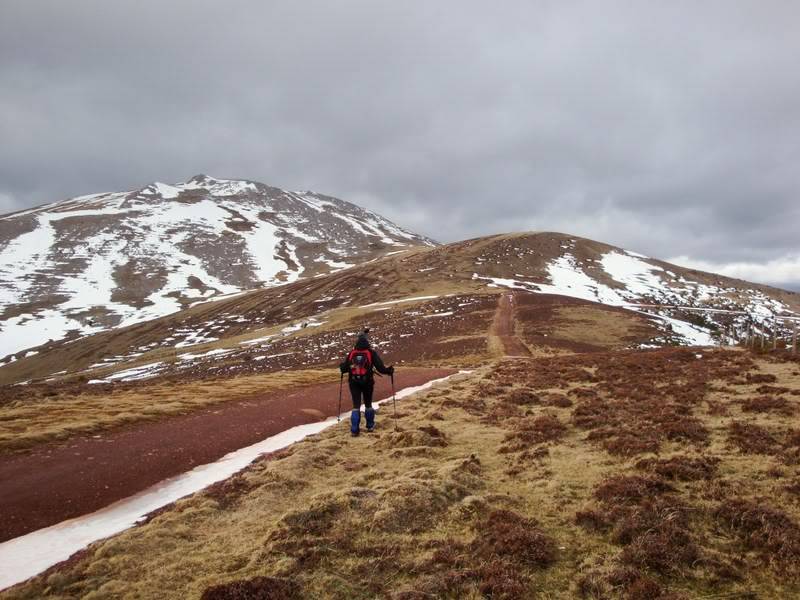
<point>55,482</point>
<point>503,327</point>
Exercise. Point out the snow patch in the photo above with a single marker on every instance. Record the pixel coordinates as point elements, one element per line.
<point>413,299</point>
<point>257,340</point>
<point>162,189</point>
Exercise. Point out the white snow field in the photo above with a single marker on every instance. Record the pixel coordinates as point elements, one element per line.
<point>29,555</point>
<point>182,243</point>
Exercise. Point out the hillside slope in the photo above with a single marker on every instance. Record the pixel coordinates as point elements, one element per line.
<point>572,294</point>
<point>570,462</point>
<point>107,260</point>
<point>660,474</point>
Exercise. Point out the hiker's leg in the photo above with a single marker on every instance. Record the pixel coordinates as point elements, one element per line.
<point>355,414</point>
<point>369,412</point>
<point>355,393</point>
<point>368,388</point>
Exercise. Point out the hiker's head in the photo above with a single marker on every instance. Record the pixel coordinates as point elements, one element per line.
<point>362,343</point>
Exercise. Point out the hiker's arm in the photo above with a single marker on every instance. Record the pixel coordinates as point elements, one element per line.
<point>379,366</point>
<point>344,367</point>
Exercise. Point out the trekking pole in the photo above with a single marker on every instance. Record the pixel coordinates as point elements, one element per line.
<point>339,409</point>
<point>394,403</point>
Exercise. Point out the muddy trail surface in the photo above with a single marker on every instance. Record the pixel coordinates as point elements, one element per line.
<point>503,327</point>
<point>55,482</point>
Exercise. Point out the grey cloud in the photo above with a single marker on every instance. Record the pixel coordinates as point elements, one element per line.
<point>672,128</point>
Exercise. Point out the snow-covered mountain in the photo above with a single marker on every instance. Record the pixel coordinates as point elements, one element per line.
<point>95,262</point>
<point>697,308</point>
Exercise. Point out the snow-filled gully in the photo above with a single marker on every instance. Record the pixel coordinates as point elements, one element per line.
<point>30,554</point>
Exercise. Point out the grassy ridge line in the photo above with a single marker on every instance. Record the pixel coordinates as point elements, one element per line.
<point>618,475</point>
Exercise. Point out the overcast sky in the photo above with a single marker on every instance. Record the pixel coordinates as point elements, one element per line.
<point>670,128</point>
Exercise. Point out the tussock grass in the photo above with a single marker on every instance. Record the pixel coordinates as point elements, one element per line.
<point>490,488</point>
<point>608,329</point>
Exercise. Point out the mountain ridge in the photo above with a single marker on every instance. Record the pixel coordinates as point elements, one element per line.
<point>105,260</point>
<point>581,284</point>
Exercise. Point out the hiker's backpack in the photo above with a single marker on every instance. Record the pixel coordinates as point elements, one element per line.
<point>360,365</point>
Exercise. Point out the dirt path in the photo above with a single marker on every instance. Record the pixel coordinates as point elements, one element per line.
<point>503,327</point>
<point>55,482</point>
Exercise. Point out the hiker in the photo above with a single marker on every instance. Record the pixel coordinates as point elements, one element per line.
<point>359,363</point>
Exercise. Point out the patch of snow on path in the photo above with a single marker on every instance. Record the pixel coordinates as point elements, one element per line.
<point>258,340</point>
<point>216,352</point>
<point>30,554</point>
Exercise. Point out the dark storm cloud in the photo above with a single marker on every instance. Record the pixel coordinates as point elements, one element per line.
<point>669,128</point>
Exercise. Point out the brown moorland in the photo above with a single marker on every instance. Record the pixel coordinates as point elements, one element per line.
<point>639,489</point>
<point>450,331</point>
<point>575,467</point>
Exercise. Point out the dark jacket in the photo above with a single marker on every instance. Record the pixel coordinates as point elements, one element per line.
<point>377,362</point>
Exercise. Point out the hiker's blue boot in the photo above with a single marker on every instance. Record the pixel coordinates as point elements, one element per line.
<point>370,414</point>
<point>355,421</point>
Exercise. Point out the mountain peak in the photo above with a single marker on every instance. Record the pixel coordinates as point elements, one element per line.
<point>200,177</point>
<point>111,259</point>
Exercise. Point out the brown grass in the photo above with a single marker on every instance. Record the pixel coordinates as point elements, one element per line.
<point>763,528</point>
<point>630,489</point>
<point>567,325</point>
<point>257,588</point>
<point>681,468</point>
<point>445,508</point>
<point>767,404</point>
<point>751,438</point>
<point>531,431</point>
<point>512,537</point>
<point>643,515</point>
<point>760,378</point>
<point>33,419</point>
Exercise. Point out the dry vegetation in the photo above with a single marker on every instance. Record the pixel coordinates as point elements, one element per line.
<point>32,415</point>
<point>55,410</point>
<point>634,475</point>
<point>410,334</point>
<point>559,324</point>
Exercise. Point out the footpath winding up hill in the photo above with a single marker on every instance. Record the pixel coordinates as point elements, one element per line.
<point>590,446</point>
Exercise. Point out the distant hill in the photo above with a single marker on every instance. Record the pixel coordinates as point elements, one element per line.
<point>107,260</point>
<point>431,304</point>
